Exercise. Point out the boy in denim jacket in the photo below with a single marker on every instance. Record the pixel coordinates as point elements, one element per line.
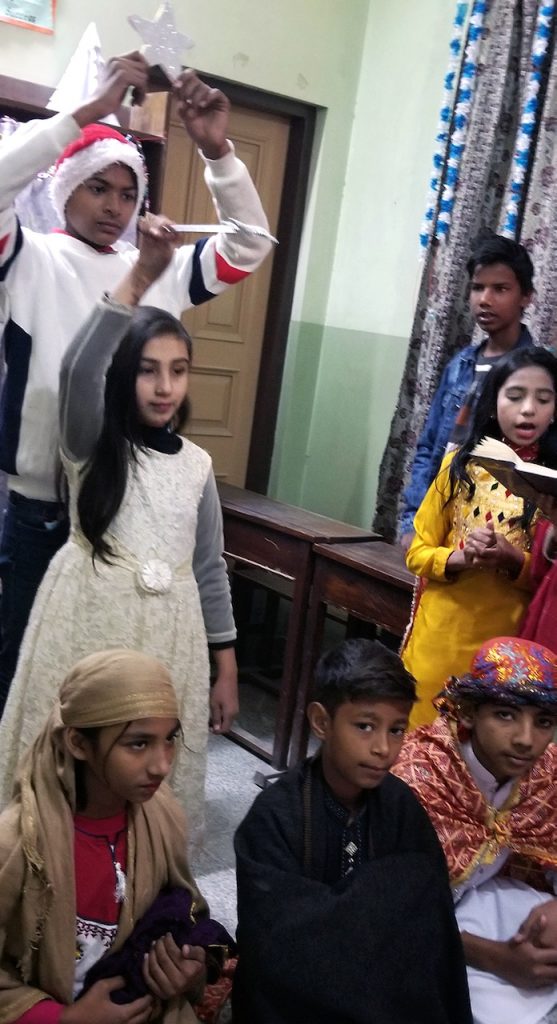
<point>501,275</point>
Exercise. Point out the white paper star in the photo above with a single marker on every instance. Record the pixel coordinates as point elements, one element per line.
<point>163,44</point>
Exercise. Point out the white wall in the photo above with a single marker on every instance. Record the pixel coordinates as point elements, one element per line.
<point>376,268</point>
<point>328,458</point>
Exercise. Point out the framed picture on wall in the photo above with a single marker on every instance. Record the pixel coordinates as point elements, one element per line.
<point>38,15</point>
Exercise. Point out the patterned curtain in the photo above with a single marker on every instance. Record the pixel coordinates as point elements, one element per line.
<point>539,225</point>
<point>442,323</point>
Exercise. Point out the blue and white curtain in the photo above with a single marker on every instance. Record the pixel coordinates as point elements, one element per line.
<point>494,165</point>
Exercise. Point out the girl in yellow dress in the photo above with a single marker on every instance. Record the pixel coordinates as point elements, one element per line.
<point>472,542</point>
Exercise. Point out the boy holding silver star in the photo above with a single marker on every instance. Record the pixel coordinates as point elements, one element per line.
<point>49,284</point>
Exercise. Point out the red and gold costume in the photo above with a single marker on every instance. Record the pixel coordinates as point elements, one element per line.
<point>472,832</point>
<point>499,837</point>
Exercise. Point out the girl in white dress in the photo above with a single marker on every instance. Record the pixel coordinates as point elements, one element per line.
<point>143,567</point>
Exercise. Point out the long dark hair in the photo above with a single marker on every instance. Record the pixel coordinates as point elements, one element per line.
<point>485,424</point>
<point>106,472</point>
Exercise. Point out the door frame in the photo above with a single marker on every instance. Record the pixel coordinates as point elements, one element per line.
<point>302,118</point>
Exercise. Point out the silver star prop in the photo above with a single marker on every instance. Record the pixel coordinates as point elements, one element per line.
<point>163,44</point>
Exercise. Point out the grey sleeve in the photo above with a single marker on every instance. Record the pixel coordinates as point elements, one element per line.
<point>209,568</point>
<point>82,378</point>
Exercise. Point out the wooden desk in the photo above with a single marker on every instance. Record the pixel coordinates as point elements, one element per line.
<point>370,581</point>
<point>281,538</point>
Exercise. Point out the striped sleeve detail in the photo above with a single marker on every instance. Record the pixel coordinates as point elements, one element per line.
<point>227,273</point>
<point>198,292</point>
<point>4,243</point>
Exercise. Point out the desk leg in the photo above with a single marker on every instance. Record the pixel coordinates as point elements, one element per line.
<point>292,666</point>
<point>242,601</point>
<point>312,648</point>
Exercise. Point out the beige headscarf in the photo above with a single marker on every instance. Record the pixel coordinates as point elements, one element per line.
<point>37,883</point>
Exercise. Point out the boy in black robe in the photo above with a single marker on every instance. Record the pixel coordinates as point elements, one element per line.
<point>345,912</point>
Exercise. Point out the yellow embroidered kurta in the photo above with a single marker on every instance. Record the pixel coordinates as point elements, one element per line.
<point>454,615</point>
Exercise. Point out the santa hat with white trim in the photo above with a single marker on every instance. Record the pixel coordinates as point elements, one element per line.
<point>97,147</point>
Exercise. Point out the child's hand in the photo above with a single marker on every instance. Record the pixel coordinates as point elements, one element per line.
<point>526,965</point>
<point>170,971</point>
<point>480,539</point>
<point>483,550</point>
<point>463,558</point>
<point>224,703</point>
<point>540,927</point>
<point>121,73</point>
<point>157,244</point>
<point>204,112</point>
<point>490,550</point>
<point>500,556</point>
<point>96,1005</point>
<point>459,560</point>
<point>223,698</point>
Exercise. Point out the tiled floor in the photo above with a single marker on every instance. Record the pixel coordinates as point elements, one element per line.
<point>230,792</point>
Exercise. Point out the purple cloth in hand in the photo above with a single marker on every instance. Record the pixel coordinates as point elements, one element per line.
<point>171,912</point>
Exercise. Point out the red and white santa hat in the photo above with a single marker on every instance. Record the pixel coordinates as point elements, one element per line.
<point>96,148</point>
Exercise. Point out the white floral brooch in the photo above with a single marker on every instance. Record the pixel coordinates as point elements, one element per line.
<point>155,576</point>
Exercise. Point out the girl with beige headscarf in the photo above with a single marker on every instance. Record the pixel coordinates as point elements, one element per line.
<point>103,754</point>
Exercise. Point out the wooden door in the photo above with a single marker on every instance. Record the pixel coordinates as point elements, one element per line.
<point>228,330</point>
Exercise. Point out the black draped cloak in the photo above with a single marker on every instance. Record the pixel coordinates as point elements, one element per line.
<point>379,946</point>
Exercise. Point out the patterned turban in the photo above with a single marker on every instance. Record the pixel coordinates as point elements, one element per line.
<point>507,670</point>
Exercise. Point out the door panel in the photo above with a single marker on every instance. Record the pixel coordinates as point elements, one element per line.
<point>228,330</point>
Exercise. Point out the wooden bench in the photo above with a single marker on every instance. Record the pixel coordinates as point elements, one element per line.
<point>280,538</point>
<point>369,581</point>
